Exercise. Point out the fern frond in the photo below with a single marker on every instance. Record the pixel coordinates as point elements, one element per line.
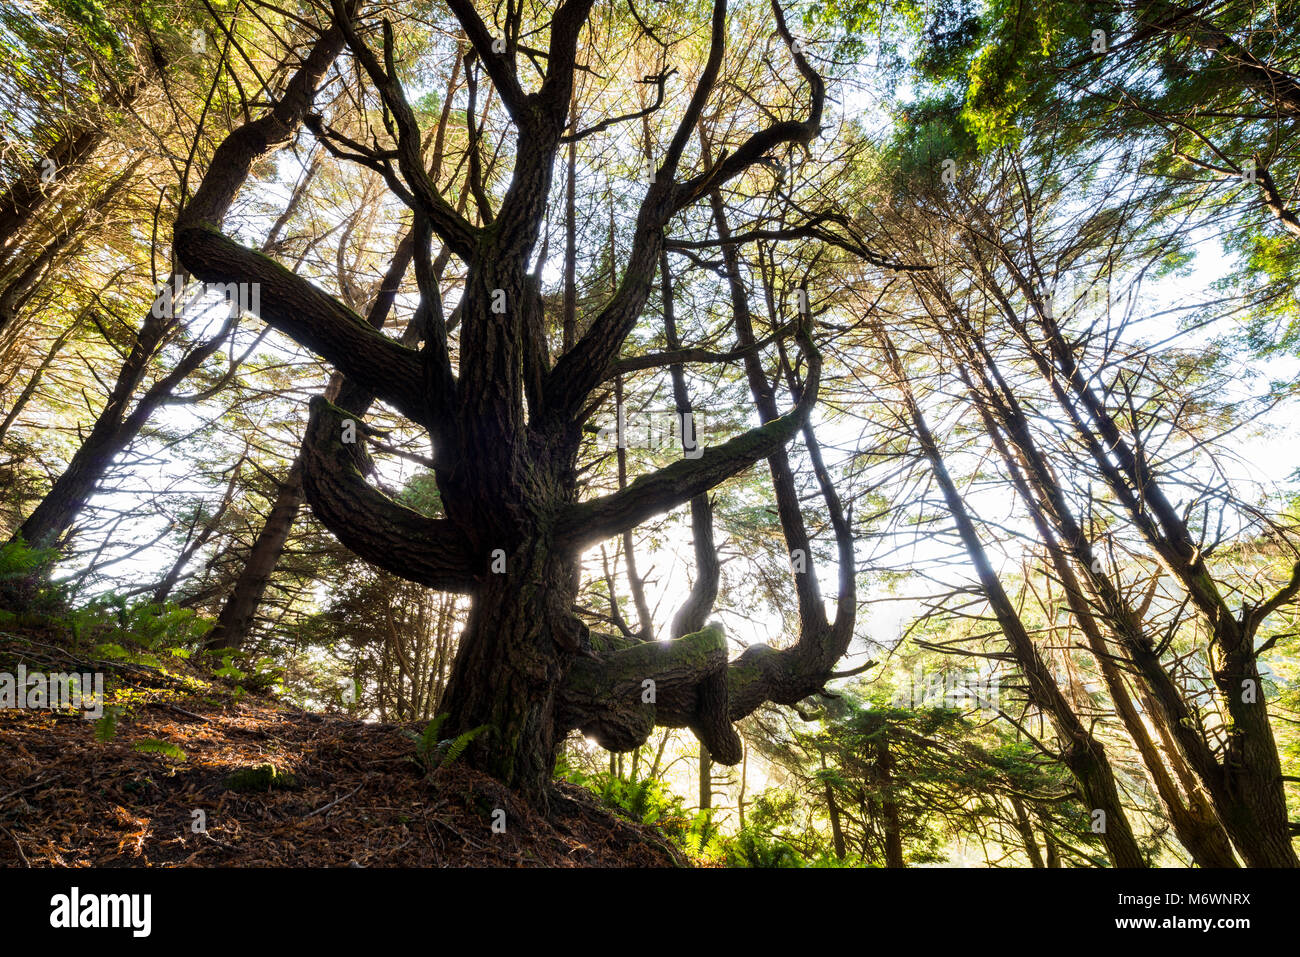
<point>457,747</point>
<point>158,746</point>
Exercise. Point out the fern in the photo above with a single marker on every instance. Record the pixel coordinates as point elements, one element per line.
<point>106,726</point>
<point>457,747</point>
<point>158,746</point>
<point>432,752</point>
<point>25,579</point>
<point>752,849</point>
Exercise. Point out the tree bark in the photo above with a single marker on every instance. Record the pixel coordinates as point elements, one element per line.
<point>28,195</point>
<point>891,821</point>
<point>1026,829</point>
<point>1204,838</point>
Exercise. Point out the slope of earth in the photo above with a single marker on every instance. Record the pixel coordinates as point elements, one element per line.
<point>343,792</point>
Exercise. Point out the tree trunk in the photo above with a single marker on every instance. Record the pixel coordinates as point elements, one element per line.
<point>20,203</point>
<point>705,778</point>
<point>245,597</point>
<point>118,424</point>
<point>891,821</point>
<point>1252,802</point>
<point>833,811</point>
<point>1053,855</point>
<point>1247,794</point>
<point>1204,838</point>
<point>506,425</point>
<point>1026,829</point>
<point>1081,752</point>
<point>509,636</point>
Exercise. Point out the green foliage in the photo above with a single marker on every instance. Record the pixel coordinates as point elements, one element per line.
<point>857,25</point>
<point>646,801</point>
<point>106,725</point>
<point>97,28</point>
<point>255,674</point>
<point>918,776</point>
<point>110,626</point>
<point>458,745</point>
<point>775,836</point>
<point>137,632</point>
<point>25,586</point>
<point>432,752</point>
<point>159,626</point>
<point>426,742</point>
<point>751,848</point>
<point>421,493</point>
<point>158,746</point>
<point>927,134</point>
<point>703,838</point>
<point>697,834</point>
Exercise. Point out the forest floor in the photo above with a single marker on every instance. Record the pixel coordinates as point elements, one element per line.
<point>345,793</point>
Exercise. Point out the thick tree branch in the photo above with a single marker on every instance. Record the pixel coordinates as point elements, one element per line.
<point>588,522</point>
<point>582,368</point>
<point>311,317</point>
<point>412,546</point>
<point>561,63</point>
<point>620,698</point>
<point>500,65</point>
<point>1275,203</point>
<point>754,148</point>
<point>233,159</point>
<point>450,226</point>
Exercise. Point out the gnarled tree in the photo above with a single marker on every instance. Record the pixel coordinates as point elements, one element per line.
<point>507,418</point>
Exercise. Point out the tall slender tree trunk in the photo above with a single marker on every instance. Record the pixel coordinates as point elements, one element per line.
<point>31,192</point>
<point>1250,798</point>
<point>240,608</point>
<point>1081,752</point>
<point>833,811</point>
<point>890,819</point>
<point>119,423</point>
<point>705,768</point>
<point>1251,809</point>
<point>1026,829</point>
<point>1205,839</point>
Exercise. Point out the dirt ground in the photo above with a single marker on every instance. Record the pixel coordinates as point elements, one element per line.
<point>346,794</point>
